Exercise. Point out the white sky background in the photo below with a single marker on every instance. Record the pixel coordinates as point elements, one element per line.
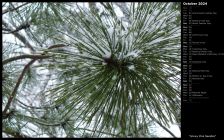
<point>159,131</point>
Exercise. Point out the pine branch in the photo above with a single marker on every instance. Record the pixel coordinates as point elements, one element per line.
<point>57,46</point>
<point>19,36</point>
<point>21,27</point>
<point>24,71</point>
<point>24,57</point>
<point>16,8</point>
<point>13,94</point>
<point>15,134</point>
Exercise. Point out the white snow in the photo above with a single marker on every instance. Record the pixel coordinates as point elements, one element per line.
<point>107,54</point>
<point>131,67</point>
<point>96,86</point>
<point>114,77</point>
<point>130,96</point>
<point>118,12</point>
<point>133,54</point>
<point>110,31</point>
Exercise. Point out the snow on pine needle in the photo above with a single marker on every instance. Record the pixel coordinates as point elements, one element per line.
<point>121,67</point>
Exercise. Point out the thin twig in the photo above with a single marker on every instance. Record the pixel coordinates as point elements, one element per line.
<point>24,57</point>
<point>57,46</point>
<point>21,27</point>
<point>10,10</point>
<point>17,85</point>
<point>34,58</point>
<point>19,36</point>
